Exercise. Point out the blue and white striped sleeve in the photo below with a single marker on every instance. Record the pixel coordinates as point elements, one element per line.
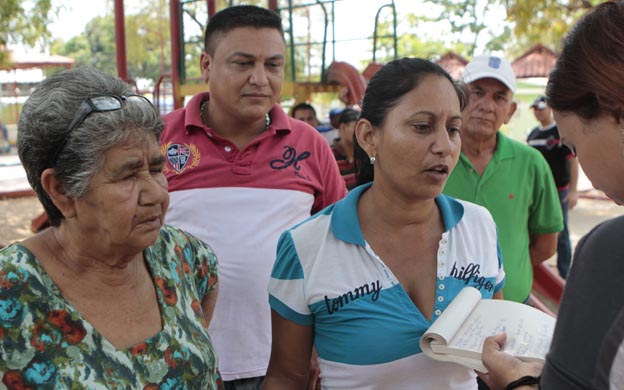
<point>286,286</point>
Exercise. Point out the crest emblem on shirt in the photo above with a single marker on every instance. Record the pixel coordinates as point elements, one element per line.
<point>180,156</point>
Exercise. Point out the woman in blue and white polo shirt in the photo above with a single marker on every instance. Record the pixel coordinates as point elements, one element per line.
<point>363,279</point>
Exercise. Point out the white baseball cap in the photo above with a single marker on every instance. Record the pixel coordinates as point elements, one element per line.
<point>487,66</point>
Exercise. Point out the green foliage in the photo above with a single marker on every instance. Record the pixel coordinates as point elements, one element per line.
<point>23,22</point>
<point>308,52</point>
<point>148,49</point>
<point>423,42</point>
<point>544,21</point>
<point>194,18</point>
<point>466,19</point>
<point>148,41</point>
<point>529,22</point>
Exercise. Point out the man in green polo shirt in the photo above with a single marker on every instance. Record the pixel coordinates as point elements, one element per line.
<point>511,179</point>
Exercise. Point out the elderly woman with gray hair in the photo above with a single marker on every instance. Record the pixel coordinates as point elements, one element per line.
<point>107,297</point>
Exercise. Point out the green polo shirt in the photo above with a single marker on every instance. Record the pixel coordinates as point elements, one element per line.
<point>518,189</point>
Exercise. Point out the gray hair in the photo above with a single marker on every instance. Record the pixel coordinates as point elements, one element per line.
<point>43,127</point>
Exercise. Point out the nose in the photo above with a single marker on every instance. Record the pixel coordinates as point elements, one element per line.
<point>442,144</point>
<point>258,76</point>
<point>486,104</point>
<point>153,190</point>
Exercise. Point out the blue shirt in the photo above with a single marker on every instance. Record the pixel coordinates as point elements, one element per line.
<point>366,327</point>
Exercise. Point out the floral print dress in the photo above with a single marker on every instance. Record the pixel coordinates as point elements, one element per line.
<point>45,343</point>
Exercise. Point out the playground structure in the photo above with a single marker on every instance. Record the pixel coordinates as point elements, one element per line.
<point>9,90</point>
<point>334,77</point>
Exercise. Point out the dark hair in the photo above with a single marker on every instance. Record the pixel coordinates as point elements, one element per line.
<point>235,17</point>
<point>348,115</point>
<point>588,78</point>
<point>43,126</point>
<point>302,106</point>
<point>386,89</point>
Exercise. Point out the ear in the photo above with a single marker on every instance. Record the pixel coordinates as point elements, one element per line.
<point>56,192</point>
<point>365,135</point>
<point>512,110</point>
<point>204,64</point>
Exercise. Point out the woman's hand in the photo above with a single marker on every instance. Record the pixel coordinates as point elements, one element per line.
<point>504,368</point>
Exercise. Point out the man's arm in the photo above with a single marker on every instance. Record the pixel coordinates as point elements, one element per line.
<point>542,247</point>
<point>545,217</point>
<point>208,304</point>
<point>572,197</point>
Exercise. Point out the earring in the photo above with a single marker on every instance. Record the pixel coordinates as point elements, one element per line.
<point>372,160</point>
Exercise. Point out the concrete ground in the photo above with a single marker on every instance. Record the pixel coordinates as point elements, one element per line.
<point>16,215</point>
<point>592,208</point>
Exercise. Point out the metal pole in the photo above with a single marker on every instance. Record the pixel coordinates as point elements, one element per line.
<point>174,20</point>
<point>120,40</point>
<point>212,7</point>
<point>293,70</point>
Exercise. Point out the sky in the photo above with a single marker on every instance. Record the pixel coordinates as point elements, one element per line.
<point>356,20</point>
<point>74,16</point>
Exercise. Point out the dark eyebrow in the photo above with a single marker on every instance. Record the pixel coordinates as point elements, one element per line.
<point>454,117</point>
<point>276,57</point>
<point>133,164</point>
<point>157,160</point>
<point>251,56</point>
<point>242,54</point>
<point>428,113</point>
<point>130,165</point>
<point>432,114</point>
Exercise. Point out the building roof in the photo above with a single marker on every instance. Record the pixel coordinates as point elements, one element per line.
<point>453,63</point>
<point>538,61</point>
<point>370,70</point>
<point>36,60</point>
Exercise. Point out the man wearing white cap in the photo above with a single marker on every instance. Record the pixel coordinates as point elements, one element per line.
<point>512,180</point>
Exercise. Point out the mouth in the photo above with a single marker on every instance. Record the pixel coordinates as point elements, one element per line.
<point>153,221</point>
<point>256,95</point>
<point>480,118</point>
<point>441,169</point>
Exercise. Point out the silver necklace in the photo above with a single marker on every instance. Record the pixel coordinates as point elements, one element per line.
<point>202,114</point>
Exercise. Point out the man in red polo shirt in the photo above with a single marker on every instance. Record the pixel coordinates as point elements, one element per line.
<point>240,172</point>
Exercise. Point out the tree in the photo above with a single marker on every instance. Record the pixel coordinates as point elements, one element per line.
<point>148,53</point>
<point>149,30</point>
<point>544,21</point>
<point>528,22</point>
<point>423,42</point>
<point>23,22</point>
<point>467,19</point>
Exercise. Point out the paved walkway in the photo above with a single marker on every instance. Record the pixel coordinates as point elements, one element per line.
<point>16,214</point>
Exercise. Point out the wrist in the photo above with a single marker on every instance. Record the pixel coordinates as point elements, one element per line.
<point>525,383</point>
